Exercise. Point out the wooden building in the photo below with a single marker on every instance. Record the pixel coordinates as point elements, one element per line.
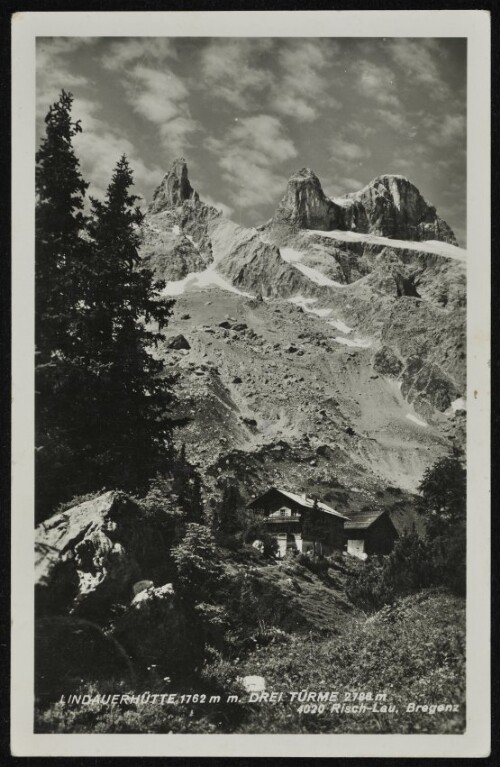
<point>299,523</point>
<point>369,532</point>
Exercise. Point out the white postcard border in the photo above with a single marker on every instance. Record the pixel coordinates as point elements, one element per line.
<point>475,26</point>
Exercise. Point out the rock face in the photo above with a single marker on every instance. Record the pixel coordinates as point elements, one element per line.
<point>389,206</point>
<point>89,557</point>
<point>393,207</point>
<point>305,204</point>
<point>338,279</point>
<point>175,237</point>
<point>387,363</point>
<point>174,190</point>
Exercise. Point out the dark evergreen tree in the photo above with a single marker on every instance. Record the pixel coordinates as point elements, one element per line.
<point>226,519</point>
<point>187,487</point>
<point>444,503</point>
<point>59,249</point>
<point>103,400</point>
<point>124,316</point>
<point>314,526</point>
<point>60,259</point>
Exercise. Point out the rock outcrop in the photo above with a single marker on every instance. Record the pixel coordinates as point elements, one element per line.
<point>175,237</point>
<point>153,630</point>
<point>89,557</point>
<point>389,206</point>
<point>306,206</point>
<point>174,190</point>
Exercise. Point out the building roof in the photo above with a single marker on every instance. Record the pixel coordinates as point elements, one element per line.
<point>301,500</point>
<point>362,519</point>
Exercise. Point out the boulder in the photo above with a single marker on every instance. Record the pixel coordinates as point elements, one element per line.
<point>178,342</point>
<point>89,557</point>
<point>253,683</point>
<point>386,362</point>
<point>153,631</point>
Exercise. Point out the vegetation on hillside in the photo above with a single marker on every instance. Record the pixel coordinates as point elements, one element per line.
<point>412,654</point>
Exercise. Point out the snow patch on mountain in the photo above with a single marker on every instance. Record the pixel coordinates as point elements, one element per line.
<point>293,257</point>
<point>305,304</point>
<point>416,420</point>
<point>435,247</point>
<point>339,325</point>
<point>194,281</point>
<point>357,343</point>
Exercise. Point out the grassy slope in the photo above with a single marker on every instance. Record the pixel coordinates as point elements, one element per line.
<point>413,651</point>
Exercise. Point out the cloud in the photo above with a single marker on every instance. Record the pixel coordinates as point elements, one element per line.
<point>162,98</point>
<point>249,156</point>
<point>129,51</point>
<point>99,147</point>
<point>294,83</point>
<point>417,59</point>
<point>304,87</point>
<point>226,210</point>
<point>229,71</point>
<point>445,130</point>
<point>337,186</point>
<point>378,83</point>
<point>347,152</point>
<point>398,121</point>
<point>53,73</point>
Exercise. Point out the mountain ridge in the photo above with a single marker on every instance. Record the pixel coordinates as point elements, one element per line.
<point>327,316</point>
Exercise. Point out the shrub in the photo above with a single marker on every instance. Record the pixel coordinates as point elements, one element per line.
<point>380,580</point>
<point>316,563</point>
<point>197,563</point>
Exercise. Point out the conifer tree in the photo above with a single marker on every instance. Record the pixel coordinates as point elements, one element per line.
<point>124,318</point>
<point>226,520</point>
<point>59,251</point>
<point>103,400</point>
<point>60,257</point>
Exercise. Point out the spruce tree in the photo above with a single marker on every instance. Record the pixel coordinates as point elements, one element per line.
<point>226,521</point>
<point>60,256</point>
<point>124,318</point>
<point>103,400</point>
<point>59,220</point>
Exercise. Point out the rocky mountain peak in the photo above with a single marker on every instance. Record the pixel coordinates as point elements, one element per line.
<point>394,207</point>
<point>174,189</point>
<point>305,205</point>
<point>389,206</point>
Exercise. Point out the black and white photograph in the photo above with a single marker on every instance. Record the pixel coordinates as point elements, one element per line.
<point>250,380</point>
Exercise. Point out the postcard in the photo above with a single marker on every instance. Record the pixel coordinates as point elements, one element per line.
<point>251,269</point>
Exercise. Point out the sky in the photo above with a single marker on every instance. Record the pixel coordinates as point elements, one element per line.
<point>246,113</point>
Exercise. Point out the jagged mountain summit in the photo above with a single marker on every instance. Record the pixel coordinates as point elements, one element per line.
<point>175,189</point>
<point>338,326</point>
<point>174,233</point>
<point>389,206</point>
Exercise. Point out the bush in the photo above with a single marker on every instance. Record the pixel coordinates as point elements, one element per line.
<point>316,563</point>
<point>378,581</point>
<point>197,562</point>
